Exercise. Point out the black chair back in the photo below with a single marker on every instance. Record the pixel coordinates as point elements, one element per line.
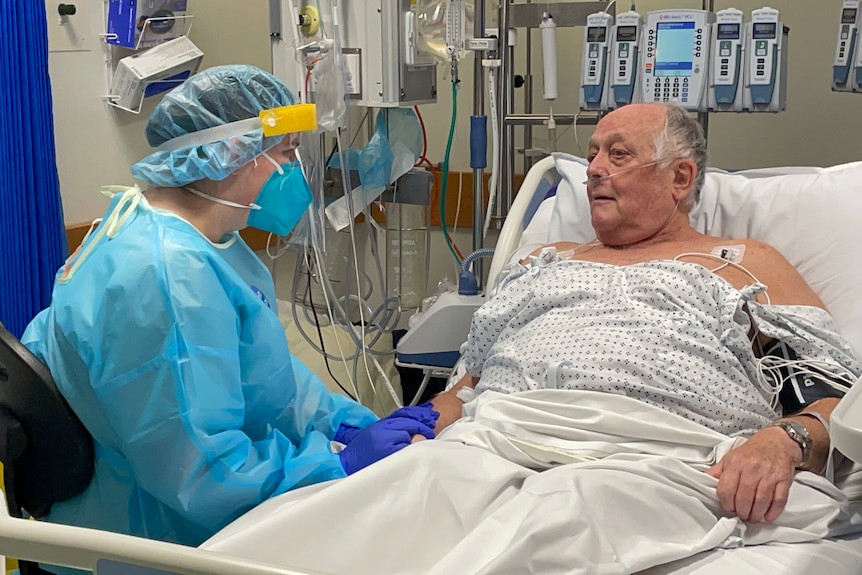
<point>46,451</point>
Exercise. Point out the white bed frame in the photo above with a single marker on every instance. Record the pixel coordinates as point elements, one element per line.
<point>114,554</point>
<point>513,226</point>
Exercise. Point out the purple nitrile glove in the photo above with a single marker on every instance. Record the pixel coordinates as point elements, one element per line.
<point>380,439</point>
<point>423,413</point>
<point>346,433</point>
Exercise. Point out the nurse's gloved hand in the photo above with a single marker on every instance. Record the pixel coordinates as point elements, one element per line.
<point>423,413</point>
<point>346,433</point>
<point>380,439</point>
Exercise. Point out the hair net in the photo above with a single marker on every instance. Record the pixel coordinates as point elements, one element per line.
<point>216,96</point>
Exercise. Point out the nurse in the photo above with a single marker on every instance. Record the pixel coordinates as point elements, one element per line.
<point>163,337</point>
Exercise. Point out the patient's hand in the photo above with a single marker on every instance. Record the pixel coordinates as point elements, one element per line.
<point>754,479</point>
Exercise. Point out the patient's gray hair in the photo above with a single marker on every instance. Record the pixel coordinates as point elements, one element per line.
<point>682,137</point>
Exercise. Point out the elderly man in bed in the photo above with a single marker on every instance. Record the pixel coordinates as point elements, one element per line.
<point>646,170</point>
<point>620,406</point>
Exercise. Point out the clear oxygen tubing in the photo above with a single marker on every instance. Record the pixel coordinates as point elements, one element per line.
<point>495,149</point>
<point>359,340</point>
<point>422,386</point>
<point>383,319</point>
<point>340,316</point>
<point>390,321</point>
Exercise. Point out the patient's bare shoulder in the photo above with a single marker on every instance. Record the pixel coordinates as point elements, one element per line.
<point>785,284</point>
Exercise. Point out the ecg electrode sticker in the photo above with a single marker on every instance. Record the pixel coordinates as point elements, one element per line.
<point>733,254</point>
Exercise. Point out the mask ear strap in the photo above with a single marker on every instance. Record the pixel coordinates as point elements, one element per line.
<point>221,201</point>
<point>274,163</point>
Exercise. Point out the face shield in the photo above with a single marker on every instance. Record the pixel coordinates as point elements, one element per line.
<point>215,153</point>
<point>212,124</point>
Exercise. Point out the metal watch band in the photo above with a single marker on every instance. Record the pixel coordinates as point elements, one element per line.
<point>800,435</point>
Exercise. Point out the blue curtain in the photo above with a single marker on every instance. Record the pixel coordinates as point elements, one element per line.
<point>32,234</point>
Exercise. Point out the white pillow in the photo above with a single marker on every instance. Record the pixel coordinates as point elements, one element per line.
<point>813,216</point>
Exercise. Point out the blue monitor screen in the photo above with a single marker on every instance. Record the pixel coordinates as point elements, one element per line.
<point>674,50</point>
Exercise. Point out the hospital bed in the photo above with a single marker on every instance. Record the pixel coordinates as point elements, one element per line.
<point>771,205</point>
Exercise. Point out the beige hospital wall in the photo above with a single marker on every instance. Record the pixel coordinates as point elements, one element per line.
<point>96,144</point>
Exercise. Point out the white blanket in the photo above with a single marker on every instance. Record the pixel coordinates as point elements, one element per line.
<point>548,481</point>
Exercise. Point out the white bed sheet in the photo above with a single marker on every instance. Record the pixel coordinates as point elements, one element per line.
<point>826,557</point>
<point>840,556</point>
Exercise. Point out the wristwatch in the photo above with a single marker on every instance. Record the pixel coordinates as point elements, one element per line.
<point>800,435</point>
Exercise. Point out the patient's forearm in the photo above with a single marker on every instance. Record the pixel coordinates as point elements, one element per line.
<point>448,404</point>
<point>449,407</point>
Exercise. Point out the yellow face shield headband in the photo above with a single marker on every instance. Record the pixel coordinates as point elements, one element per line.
<point>273,122</point>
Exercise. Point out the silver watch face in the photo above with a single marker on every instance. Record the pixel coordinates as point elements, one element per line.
<point>800,435</point>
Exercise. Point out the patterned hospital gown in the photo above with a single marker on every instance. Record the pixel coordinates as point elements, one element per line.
<point>668,333</point>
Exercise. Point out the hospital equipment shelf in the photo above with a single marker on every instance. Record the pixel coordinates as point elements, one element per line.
<point>114,53</point>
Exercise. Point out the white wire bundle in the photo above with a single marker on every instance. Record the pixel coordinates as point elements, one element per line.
<point>774,372</point>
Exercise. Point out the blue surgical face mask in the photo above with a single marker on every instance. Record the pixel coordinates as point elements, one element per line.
<point>283,199</point>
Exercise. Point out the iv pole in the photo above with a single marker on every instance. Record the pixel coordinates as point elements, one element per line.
<point>478,112</point>
<point>527,15</point>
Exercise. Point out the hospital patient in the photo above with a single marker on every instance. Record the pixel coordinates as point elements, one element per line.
<point>619,410</point>
<point>163,335</point>
<point>646,169</point>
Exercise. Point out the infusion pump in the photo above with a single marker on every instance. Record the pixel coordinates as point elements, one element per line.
<point>766,55</point>
<point>846,48</point>
<point>675,64</point>
<point>625,80</point>
<point>595,85</point>
<point>695,59</point>
<point>726,73</point>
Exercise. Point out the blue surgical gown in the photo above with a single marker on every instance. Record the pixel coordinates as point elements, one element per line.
<point>168,348</point>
